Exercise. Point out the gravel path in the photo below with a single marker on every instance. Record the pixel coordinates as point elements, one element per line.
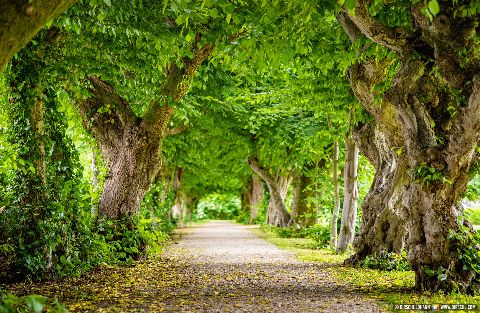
<point>213,267</point>
<point>224,267</point>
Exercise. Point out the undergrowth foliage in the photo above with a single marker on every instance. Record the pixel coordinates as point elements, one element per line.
<point>387,262</point>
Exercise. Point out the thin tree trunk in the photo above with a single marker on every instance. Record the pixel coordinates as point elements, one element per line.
<point>336,197</point>
<point>177,209</point>
<point>257,196</point>
<point>278,214</point>
<point>94,180</point>
<point>349,214</point>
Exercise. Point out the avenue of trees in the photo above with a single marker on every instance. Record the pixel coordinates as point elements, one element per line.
<point>120,119</point>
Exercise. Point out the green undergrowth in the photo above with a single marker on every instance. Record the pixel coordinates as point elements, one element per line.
<point>392,286</point>
<point>473,215</point>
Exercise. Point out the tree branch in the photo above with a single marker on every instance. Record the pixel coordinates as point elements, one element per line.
<point>396,39</point>
<point>21,20</point>
<point>105,95</point>
<point>176,130</point>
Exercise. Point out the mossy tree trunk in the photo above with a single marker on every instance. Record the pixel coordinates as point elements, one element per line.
<point>422,140</point>
<point>20,20</point>
<point>303,207</point>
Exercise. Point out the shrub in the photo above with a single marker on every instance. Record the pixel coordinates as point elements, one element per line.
<point>387,262</point>
<point>320,234</point>
<point>10,303</point>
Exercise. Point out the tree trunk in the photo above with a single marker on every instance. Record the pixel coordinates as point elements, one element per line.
<point>131,146</point>
<point>177,209</point>
<point>350,190</point>
<point>277,214</point>
<point>37,122</point>
<point>130,149</point>
<point>336,197</point>
<point>303,208</point>
<point>21,20</point>
<point>423,140</point>
<point>257,196</point>
<point>191,206</point>
<point>246,200</point>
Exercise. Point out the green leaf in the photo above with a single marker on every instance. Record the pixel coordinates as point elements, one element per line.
<point>35,303</point>
<point>101,16</point>
<point>350,5</point>
<point>107,2</point>
<point>181,19</point>
<point>433,7</point>
<point>213,13</point>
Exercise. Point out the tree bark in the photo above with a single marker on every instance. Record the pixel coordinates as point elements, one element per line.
<point>303,209</point>
<point>257,196</point>
<point>246,199</point>
<point>349,213</point>
<point>21,20</point>
<point>336,197</point>
<point>191,206</point>
<point>177,209</point>
<point>274,215</point>
<point>130,148</point>
<point>277,214</point>
<point>422,141</point>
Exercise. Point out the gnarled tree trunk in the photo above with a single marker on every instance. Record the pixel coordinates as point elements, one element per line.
<point>277,214</point>
<point>423,138</point>
<point>350,191</point>
<point>131,145</point>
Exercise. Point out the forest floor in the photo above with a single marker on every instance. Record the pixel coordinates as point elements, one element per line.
<point>212,267</point>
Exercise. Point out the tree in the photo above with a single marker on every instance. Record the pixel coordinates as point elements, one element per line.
<point>21,20</point>
<point>421,89</point>
<point>336,197</point>
<point>350,191</point>
<point>277,214</point>
<point>257,196</point>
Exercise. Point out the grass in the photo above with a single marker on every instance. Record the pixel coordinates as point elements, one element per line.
<point>390,288</point>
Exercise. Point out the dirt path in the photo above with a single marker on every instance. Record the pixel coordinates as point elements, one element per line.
<point>214,267</point>
<point>229,269</point>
